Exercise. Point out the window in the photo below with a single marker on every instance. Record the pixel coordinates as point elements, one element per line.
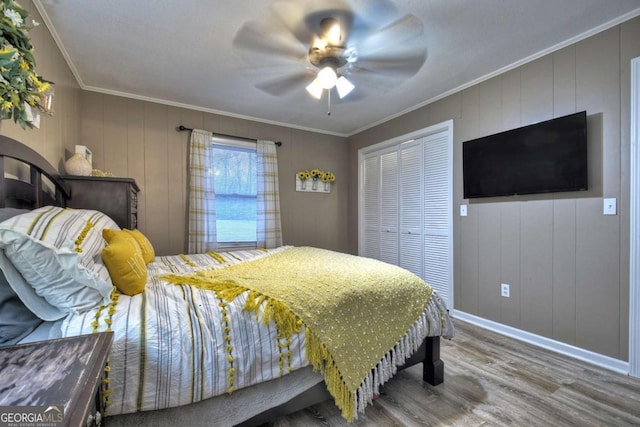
<point>236,190</point>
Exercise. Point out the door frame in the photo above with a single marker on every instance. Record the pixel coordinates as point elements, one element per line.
<point>634,215</point>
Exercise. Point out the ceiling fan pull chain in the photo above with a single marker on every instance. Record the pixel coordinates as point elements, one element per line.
<point>329,102</point>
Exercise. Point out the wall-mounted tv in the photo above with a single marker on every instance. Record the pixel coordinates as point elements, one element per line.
<point>545,157</point>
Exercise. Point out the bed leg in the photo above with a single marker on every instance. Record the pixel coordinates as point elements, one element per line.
<point>432,366</point>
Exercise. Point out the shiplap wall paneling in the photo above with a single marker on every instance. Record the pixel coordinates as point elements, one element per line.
<point>510,249</point>
<point>136,158</point>
<point>115,136</point>
<point>536,284</point>
<point>564,211</point>
<point>156,178</point>
<point>488,259</point>
<point>177,150</point>
<point>467,243</point>
<point>564,271</point>
<point>597,236</point>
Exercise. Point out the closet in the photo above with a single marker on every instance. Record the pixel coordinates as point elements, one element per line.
<point>405,205</point>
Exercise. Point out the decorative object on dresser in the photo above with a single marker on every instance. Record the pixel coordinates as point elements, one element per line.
<point>86,152</point>
<point>116,197</point>
<point>58,379</point>
<point>78,165</point>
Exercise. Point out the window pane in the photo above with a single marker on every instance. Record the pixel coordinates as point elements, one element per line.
<point>235,182</point>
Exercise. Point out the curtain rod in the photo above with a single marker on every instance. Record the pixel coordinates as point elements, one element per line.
<point>183,128</point>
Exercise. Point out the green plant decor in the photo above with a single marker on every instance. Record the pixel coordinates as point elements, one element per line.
<point>21,87</point>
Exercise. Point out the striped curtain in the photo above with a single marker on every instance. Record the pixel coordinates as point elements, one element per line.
<point>201,208</point>
<point>269,229</point>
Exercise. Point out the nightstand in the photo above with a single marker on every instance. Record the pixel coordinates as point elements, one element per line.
<point>115,197</point>
<point>57,379</point>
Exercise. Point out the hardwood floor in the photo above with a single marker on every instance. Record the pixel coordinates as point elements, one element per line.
<point>492,380</point>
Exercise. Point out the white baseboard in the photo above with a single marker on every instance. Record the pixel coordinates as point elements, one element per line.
<point>597,359</point>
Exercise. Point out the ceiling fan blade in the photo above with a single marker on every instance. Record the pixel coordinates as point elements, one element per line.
<point>291,16</point>
<point>374,15</point>
<point>262,71</point>
<point>284,85</point>
<point>405,30</point>
<point>370,81</point>
<point>255,40</point>
<point>401,66</point>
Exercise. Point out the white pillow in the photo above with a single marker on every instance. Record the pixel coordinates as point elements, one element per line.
<point>34,302</point>
<point>58,252</point>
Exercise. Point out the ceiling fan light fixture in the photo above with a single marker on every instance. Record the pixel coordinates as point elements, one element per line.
<point>327,77</point>
<point>315,88</point>
<point>335,35</point>
<point>331,30</point>
<point>344,86</point>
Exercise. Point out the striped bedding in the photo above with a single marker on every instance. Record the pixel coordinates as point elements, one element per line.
<point>176,344</point>
<point>170,347</point>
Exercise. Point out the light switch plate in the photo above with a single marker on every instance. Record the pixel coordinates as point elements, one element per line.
<point>463,210</point>
<point>610,207</point>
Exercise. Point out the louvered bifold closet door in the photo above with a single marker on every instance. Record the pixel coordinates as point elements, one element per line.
<point>410,203</point>
<point>405,209</point>
<point>389,207</point>
<point>438,215</point>
<point>370,216</point>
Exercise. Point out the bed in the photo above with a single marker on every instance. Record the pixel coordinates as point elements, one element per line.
<point>237,337</point>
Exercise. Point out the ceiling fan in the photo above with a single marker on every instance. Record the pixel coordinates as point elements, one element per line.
<point>356,47</point>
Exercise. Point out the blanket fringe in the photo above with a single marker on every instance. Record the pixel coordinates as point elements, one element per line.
<point>322,361</point>
<point>388,366</point>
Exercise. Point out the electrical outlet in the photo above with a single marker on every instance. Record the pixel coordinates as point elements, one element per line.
<point>504,290</point>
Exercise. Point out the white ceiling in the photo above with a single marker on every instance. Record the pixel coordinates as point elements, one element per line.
<point>181,52</point>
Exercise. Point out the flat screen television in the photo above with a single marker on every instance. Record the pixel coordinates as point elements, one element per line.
<point>545,157</point>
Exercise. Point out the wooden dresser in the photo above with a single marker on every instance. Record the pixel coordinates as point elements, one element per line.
<point>116,197</point>
<point>58,380</point>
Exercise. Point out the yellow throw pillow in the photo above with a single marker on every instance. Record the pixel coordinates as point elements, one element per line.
<point>148,253</point>
<point>123,258</point>
<point>108,233</point>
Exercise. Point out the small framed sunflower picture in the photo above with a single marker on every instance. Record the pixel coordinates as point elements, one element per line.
<point>314,181</point>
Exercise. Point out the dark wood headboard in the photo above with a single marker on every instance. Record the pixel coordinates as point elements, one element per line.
<point>33,194</point>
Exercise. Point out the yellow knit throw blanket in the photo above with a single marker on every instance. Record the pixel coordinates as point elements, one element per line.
<point>355,311</point>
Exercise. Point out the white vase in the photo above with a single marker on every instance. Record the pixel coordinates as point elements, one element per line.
<point>78,165</point>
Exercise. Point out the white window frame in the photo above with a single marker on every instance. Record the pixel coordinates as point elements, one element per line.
<point>238,143</point>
